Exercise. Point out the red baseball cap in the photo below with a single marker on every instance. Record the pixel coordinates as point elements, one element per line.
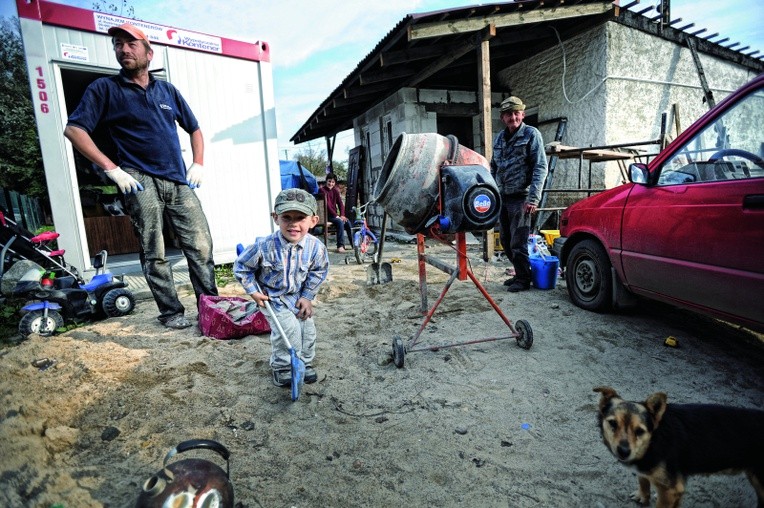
<point>136,32</point>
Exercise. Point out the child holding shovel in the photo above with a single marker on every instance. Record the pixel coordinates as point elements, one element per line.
<point>287,269</point>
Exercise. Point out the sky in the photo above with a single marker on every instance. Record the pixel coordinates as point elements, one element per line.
<point>315,44</point>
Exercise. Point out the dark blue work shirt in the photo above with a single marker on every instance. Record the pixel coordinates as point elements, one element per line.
<point>141,123</point>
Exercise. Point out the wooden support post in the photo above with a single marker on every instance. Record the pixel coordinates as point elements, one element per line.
<point>486,131</point>
<point>677,122</point>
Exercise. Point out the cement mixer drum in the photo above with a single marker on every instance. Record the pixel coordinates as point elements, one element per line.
<point>408,186</point>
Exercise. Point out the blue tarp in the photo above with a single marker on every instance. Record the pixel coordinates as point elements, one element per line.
<point>292,178</point>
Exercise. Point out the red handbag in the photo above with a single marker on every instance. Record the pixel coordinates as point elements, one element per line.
<point>230,317</point>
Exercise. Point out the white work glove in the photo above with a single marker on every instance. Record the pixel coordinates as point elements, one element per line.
<point>126,183</point>
<point>194,175</point>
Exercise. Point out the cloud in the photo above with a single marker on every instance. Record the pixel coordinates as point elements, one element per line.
<point>296,30</point>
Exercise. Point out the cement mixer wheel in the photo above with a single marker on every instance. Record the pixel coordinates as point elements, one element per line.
<point>525,334</point>
<point>399,352</point>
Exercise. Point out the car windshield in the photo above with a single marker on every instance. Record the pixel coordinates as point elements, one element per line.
<point>731,148</point>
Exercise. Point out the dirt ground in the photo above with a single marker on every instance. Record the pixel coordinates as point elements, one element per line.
<point>488,424</point>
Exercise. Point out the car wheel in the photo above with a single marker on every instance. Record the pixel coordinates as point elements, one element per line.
<point>588,276</point>
<point>118,302</point>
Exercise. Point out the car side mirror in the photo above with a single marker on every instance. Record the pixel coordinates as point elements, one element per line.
<point>638,173</point>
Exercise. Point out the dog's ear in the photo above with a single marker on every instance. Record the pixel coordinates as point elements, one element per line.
<point>607,395</point>
<point>656,406</point>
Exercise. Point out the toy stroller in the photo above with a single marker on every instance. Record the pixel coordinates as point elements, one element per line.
<point>18,243</point>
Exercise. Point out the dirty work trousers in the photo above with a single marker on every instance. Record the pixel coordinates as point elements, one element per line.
<point>514,226</point>
<point>162,199</point>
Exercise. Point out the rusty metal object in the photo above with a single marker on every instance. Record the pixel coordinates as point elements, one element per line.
<point>189,483</point>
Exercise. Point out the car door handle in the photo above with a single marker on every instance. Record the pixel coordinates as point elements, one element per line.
<point>755,201</point>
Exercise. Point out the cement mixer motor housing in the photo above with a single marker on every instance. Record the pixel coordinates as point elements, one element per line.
<point>470,199</point>
<point>429,178</point>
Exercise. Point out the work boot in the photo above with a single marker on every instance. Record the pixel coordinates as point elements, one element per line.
<point>177,322</point>
<point>517,286</point>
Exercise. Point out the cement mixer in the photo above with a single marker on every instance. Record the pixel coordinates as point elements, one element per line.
<point>430,180</point>
<point>430,185</point>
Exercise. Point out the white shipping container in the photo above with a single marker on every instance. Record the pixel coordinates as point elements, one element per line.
<point>227,83</point>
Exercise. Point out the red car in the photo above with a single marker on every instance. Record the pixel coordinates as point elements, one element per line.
<point>689,227</point>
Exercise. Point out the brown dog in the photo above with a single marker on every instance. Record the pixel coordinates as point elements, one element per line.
<point>666,443</point>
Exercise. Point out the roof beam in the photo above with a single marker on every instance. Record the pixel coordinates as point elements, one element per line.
<point>443,28</point>
<point>408,55</point>
<point>370,77</point>
<point>351,92</point>
<point>453,53</point>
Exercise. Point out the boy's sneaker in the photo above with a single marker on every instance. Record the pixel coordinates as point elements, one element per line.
<point>282,378</point>
<point>177,322</point>
<point>310,375</point>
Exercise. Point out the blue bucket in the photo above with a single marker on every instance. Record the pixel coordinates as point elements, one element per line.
<point>544,271</point>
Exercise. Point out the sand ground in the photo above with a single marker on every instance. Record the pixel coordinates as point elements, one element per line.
<point>487,424</point>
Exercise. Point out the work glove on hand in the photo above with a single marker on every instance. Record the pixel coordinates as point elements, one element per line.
<point>126,183</point>
<point>194,175</point>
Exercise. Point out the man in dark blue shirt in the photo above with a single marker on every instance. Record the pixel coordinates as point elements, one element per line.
<point>140,114</point>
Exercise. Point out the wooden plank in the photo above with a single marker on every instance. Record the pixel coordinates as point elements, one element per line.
<point>444,28</point>
<point>708,95</point>
<point>594,155</point>
<point>115,234</point>
<point>355,174</point>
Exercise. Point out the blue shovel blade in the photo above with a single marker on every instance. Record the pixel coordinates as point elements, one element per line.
<point>298,374</point>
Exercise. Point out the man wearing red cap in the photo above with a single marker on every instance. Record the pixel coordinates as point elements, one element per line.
<point>141,114</point>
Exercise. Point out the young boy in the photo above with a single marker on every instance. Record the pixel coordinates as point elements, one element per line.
<point>287,268</point>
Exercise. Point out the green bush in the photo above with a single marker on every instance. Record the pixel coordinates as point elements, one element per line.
<point>224,274</point>
<point>9,321</point>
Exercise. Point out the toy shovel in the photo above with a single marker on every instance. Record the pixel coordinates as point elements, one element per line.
<point>297,366</point>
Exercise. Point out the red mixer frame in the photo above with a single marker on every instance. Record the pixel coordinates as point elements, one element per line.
<point>521,330</point>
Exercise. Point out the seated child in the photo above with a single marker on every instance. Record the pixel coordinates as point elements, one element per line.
<point>287,268</point>
<point>336,210</point>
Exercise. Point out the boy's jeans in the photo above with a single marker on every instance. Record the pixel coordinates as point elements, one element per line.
<point>301,334</point>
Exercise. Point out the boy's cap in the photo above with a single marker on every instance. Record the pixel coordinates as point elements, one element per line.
<point>512,103</point>
<point>296,200</point>
<point>136,32</point>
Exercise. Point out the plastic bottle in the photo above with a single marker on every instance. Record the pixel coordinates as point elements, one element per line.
<point>533,250</point>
